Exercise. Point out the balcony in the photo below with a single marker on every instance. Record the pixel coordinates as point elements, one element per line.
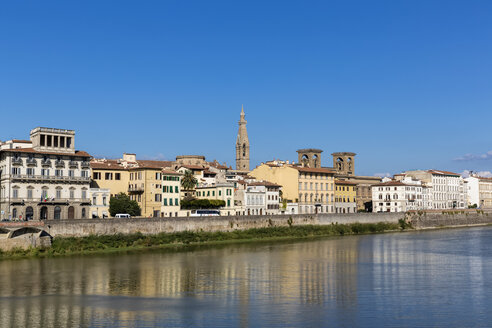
<point>59,163</point>
<point>17,161</point>
<point>73,164</point>
<point>46,162</point>
<point>136,189</point>
<point>49,178</point>
<point>85,165</point>
<point>65,201</point>
<point>31,162</point>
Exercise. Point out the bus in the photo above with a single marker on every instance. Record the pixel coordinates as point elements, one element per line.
<point>206,213</point>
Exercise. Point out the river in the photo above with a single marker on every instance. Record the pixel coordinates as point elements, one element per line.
<point>436,278</point>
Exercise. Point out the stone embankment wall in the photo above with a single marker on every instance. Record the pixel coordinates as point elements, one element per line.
<point>80,228</point>
<point>449,219</point>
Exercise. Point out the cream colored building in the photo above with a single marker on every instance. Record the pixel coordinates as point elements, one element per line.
<point>224,191</point>
<point>311,188</point>
<point>99,202</point>
<point>44,178</point>
<point>479,191</point>
<point>171,191</point>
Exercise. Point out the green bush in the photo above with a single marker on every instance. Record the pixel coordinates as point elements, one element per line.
<point>196,204</point>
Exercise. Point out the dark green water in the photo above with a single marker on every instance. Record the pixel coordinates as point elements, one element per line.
<point>426,279</point>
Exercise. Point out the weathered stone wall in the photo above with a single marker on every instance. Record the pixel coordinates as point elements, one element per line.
<point>77,228</point>
<point>80,228</point>
<point>450,219</point>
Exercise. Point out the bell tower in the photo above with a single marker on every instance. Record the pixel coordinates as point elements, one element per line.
<point>343,163</point>
<point>242,145</point>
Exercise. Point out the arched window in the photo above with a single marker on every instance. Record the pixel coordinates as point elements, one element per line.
<point>244,150</point>
<point>29,213</point>
<point>14,213</point>
<point>395,196</point>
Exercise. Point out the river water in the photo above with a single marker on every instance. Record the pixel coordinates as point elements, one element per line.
<point>418,279</point>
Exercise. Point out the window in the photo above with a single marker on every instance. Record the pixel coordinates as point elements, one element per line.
<point>170,202</point>
<point>72,194</point>
<point>176,189</point>
<point>94,200</point>
<point>104,200</point>
<point>96,175</point>
<point>71,173</point>
<point>30,172</point>
<point>213,192</point>
<point>220,192</point>
<point>228,203</point>
<point>16,170</point>
<point>58,173</point>
<point>58,193</point>
<point>15,193</point>
<point>29,193</point>
<point>107,176</point>
<point>45,172</point>
<point>84,194</point>
<point>176,202</point>
<point>117,176</point>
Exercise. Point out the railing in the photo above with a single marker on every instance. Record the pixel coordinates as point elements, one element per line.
<point>31,162</point>
<point>73,164</point>
<point>46,162</point>
<point>135,189</point>
<point>17,161</point>
<point>85,165</point>
<point>59,163</point>
<point>49,178</point>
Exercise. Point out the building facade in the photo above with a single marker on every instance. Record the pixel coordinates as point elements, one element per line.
<point>222,191</point>
<point>345,196</point>
<point>479,192</point>
<point>44,178</point>
<point>447,189</point>
<point>171,191</point>
<point>99,202</point>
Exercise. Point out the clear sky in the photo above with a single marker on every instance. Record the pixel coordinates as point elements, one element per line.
<point>404,84</point>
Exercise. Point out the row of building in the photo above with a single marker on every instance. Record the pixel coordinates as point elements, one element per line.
<point>46,178</point>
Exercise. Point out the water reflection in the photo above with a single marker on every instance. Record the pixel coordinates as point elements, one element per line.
<point>416,279</point>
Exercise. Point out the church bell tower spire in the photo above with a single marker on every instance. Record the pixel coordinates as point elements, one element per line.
<point>242,144</point>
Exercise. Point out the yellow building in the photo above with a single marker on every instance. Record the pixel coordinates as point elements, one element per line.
<point>345,196</point>
<point>140,179</point>
<point>311,188</point>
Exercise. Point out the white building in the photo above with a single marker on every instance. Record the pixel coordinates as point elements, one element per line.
<point>399,196</point>
<point>479,191</point>
<point>44,177</point>
<point>261,198</point>
<point>447,189</point>
<point>99,202</point>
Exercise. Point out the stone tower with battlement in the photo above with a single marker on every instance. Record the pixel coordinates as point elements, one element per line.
<point>343,163</point>
<point>242,145</point>
<point>310,157</point>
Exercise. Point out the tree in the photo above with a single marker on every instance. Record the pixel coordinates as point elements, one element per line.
<point>189,181</point>
<point>202,204</point>
<point>122,203</point>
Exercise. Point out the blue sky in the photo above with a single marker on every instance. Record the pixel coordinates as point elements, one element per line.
<point>404,84</point>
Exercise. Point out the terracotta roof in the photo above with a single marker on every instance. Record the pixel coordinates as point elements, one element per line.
<point>264,183</point>
<point>193,167</point>
<point>485,179</point>
<point>438,172</point>
<point>21,141</point>
<point>217,165</point>
<point>77,153</point>
<point>345,182</point>
<point>209,172</point>
<point>394,183</point>
<point>108,164</point>
<point>154,164</point>
<point>171,172</point>
<point>315,170</point>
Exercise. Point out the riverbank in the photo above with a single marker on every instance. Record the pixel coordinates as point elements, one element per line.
<point>97,244</point>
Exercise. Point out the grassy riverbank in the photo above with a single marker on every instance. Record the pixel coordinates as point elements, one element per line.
<point>120,242</point>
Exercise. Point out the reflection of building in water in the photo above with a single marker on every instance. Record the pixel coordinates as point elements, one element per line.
<point>124,288</point>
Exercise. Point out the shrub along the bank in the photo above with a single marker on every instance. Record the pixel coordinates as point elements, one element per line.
<point>72,245</point>
<point>196,204</point>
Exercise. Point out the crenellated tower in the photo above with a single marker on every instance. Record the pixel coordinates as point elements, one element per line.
<point>242,145</point>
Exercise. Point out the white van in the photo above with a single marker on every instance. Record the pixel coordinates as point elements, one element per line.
<point>122,216</point>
